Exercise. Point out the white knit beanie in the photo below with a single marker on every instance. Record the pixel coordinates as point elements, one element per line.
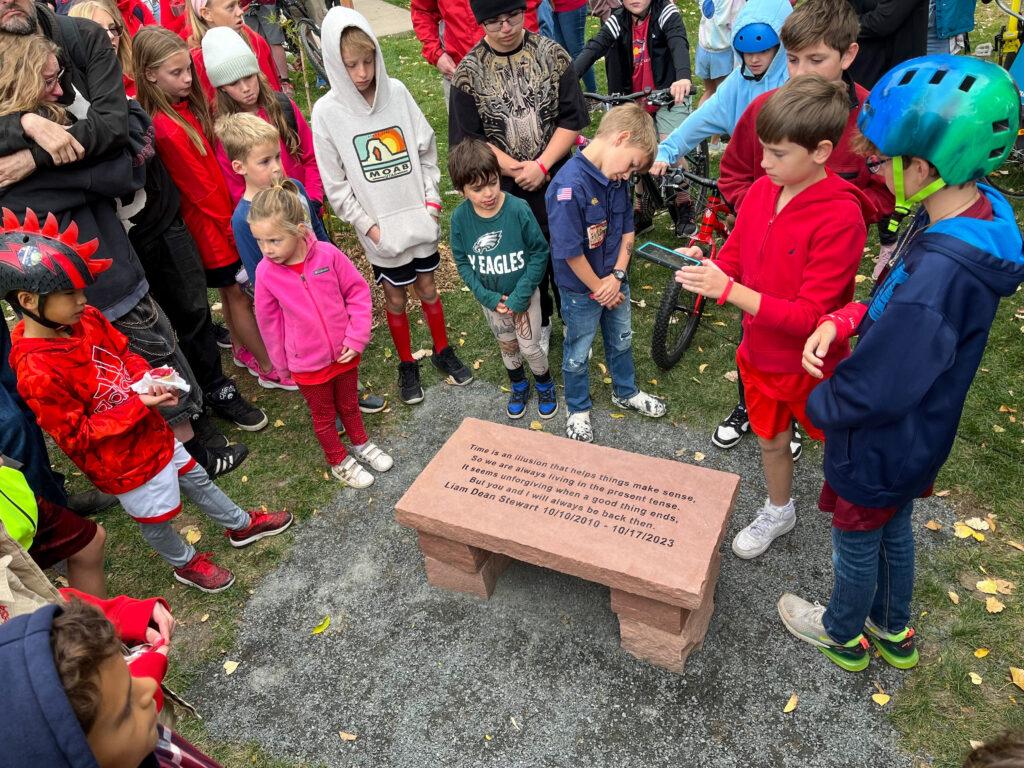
<point>227,57</point>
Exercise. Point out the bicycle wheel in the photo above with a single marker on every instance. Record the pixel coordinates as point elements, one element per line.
<point>309,39</point>
<point>1009,177</point>
<point>675,324</point>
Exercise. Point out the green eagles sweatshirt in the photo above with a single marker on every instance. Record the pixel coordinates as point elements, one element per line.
<point>505,255</point>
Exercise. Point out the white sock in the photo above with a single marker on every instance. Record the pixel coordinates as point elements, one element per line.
<point>789,508</point>
<point>359,447</point>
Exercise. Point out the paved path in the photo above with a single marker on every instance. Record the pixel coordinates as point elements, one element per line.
<point>385,19</point>
<point>535,677</point>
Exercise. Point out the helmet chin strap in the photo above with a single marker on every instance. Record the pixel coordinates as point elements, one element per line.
<point>40,318</point>
<point>752,77</point>
<point>903,204</point>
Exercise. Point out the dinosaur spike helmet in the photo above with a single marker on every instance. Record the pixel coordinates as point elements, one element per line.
<point>44,260</point>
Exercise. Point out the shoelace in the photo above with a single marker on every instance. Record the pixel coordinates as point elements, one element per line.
<point>764,520</point>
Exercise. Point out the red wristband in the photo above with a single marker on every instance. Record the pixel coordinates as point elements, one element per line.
<point>541,166</point>
<point>725,293</point>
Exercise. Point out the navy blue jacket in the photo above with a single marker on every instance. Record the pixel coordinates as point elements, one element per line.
<point>890,410</point>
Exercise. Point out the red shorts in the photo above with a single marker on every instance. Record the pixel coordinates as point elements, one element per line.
<point>774,400</point>
<point>61,534</point>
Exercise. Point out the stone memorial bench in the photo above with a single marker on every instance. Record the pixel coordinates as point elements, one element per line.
<point>648,528</point>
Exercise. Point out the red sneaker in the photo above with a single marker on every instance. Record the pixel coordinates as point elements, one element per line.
<point>204,574</point>
<point>261,525</point>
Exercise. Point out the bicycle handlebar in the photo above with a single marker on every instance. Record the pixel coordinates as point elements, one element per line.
<point>660,97</point>
<point>1008,11</point>
<point>674,178</point>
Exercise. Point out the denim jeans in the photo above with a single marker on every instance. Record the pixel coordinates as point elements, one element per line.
<point>874,576</point>
<point>569,29</point>
<point>582,316</point>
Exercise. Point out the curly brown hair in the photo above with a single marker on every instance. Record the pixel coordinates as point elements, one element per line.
<point>81,640</point>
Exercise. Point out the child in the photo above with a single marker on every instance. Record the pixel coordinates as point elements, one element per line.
<point>890,412</point>
<point>314,311</point>
<point>644,46</point>
<point>591,242</point>
<point>75,372</point>
<point>820,37</point>
<point>502,255</point>
<point>715,57</point>
<point>108,16</point>
<point>755,40</point>
<point>790,259</point>
<point>519,92</point>
<point>170,94</point>
<point>204,15</point>
<point>378,159</point>
<point>241,88</point>
<point>84,702</point>
<point>252,147</point>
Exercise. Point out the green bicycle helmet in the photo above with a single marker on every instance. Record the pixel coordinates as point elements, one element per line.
<point>959,113</point>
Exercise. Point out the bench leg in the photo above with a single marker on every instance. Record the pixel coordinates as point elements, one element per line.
<point>460,567</point>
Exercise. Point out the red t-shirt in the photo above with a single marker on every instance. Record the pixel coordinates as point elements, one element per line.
<point>643,73</point>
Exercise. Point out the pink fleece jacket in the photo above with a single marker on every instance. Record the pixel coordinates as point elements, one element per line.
<point>306,320</point>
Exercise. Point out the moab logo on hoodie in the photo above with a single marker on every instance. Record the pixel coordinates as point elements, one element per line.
<point>383,154</point>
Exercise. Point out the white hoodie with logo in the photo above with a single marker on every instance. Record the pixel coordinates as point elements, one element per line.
<point>378,162</point>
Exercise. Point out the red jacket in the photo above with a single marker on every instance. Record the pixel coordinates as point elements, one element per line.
<point>461,32</point>
<point>79,389</point>
<point>205,201</point>
<point>136,15</point>
<point>259,46</point>
<point>741,163</point>
<point>801,260</point>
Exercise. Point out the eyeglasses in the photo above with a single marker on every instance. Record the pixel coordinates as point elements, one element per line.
<point>513,19</point>
<point>875,163</point>
<point>50,83</point>
<point>114,30</point>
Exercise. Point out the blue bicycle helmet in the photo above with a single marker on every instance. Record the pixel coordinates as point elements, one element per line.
<point>755,38</point>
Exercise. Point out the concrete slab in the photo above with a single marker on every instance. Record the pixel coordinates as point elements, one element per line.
<point>385,19</point>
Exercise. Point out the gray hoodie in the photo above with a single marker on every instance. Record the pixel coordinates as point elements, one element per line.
<point>378,162</point>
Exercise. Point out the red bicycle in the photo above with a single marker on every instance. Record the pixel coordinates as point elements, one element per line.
<point>680,311</point>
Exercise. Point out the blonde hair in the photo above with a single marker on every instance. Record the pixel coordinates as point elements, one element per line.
<point>275,114</point>
<point>357,42</point>
<point>631,118</point>
<point>22,61</point>
<point>87,10</point>
<point>199,26</point>
<point>153,46</point>
<point>281,201</point>
<point>242,132</point>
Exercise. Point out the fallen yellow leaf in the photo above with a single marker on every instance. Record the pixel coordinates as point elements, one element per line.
<point>346,736</point>
<point>654,382</point>
<point>1015,544</point>
<point>476,365</point>
<point>230,667</point>
<point>987,586</point>
<point>642,303</point>
<point>994,605</point>
<point>387,353</point>
<point>977,524</point>
<point>981,653</point>
<point>1007,409</point>
<point>505,389</point>
<point>932,525</point>
<point>943,494</point>
<point>603,369</point>
<point>462,342</point>
<point>607,380</point>
<point>682,452</point>
<point>791,704</point>
<point>1004,587</point>
<point>278,423</point>
<point>702,367</point>
<point>322,626</point>
<point>860,278</point>
<point>536,426</point>
<point>618,415</point>
<point>487,737</point>
<point>997,429</point>
<point>191,534</point>
<point>881,699</point>
<point>1017,677</point>
<point>991,520</point>
<point>698,456</point>
<point>975,678</point>
<point>245,478</point>
<point>731,376</point>
<point>954,598</point>
<point>975,744</point>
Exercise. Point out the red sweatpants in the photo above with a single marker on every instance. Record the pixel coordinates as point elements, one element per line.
<point>338,396</point>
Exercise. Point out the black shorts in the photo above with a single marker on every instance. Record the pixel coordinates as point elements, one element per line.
<point>223,277</point>
<point>406,274</point>
<point>61,534</point>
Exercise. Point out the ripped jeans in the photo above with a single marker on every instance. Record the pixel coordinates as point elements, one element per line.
<point>582,316</point>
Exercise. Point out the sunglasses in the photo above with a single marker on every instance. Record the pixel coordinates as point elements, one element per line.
<point>875,163</point>
<point>114,30</point>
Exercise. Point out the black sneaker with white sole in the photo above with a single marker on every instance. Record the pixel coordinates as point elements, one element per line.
<point>228,403</point>
<point>208,433</point>
<point>409,388</point>
<point>221,336</point>
<point>732,430</point>
<point>224,460</point>
<point>449,364</point>
<point>371,403</point>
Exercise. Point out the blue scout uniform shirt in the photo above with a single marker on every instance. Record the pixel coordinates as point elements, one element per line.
<point>588,214</point>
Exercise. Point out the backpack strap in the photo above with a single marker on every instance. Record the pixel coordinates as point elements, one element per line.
<point>289,111</point>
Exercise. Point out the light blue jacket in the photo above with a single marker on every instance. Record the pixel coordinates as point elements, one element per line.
<point>722,111</point>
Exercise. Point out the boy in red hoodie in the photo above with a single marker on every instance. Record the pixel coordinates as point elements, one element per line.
<point>790,259</point>
<point>820,37</point>
<point>75,372</point>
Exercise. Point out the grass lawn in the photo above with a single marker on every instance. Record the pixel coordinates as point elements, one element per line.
<point>938,710</point>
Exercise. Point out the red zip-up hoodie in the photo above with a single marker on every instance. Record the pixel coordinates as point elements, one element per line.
<point>741,163</point>
<point>79,389</point>
<point>205,201</point>
<point>802,260</point>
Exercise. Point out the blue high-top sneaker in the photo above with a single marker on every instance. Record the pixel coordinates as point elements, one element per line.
<point>518,399</point>
<point>547,402</point>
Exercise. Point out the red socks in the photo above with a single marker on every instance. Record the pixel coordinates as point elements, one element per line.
<point>435,319</point>
<point>399,327</point>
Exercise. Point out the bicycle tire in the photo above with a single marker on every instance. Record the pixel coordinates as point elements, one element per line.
<point>647,199</point>
<point>667,349</point>
<point>309,39</point>
<point>1009,177</point>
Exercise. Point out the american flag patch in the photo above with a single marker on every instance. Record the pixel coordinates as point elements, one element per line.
<point>564,193</point>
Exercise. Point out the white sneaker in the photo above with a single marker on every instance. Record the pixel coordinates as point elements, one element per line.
<point>352,474</point>
<point>374,456</point>
<point>770,523</point>
<point>577,427</point>
<point>545,338</point>
<point>641,402</point>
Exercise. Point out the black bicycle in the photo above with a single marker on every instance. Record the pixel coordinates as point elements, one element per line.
<point>304,33</point>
